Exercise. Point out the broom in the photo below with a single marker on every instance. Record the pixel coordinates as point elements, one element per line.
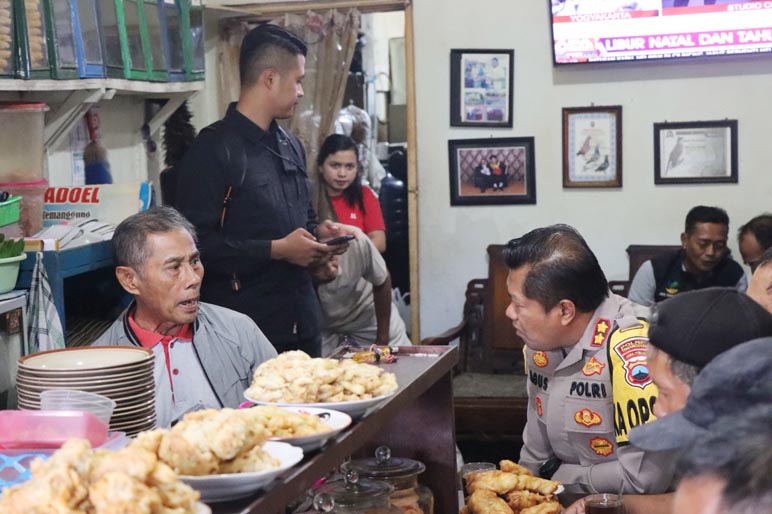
<point>95,155</point>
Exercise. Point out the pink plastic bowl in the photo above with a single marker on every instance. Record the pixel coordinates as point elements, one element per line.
<point>49,429</point>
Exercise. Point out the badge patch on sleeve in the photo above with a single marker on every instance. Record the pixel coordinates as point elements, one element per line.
<point>593,367</point>
<point>540,359</point>
<point>601,332</point>
<point>539,410</point>
<point>633,354</point>
<point>587,418</point>
<point>633,390</point>
<point>601,446</point>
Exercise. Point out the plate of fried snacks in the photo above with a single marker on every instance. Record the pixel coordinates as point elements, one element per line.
<point>78,479</point>
<point>294,379</point>
<point>224,454</point>
<point>222,487</point>
<point>510,490</point>
<point>306,427</point>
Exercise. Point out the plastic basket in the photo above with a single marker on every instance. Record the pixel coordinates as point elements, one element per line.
<point>9,211</point>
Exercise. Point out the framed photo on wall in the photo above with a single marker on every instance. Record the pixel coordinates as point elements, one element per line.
<point>695,152</point>
<point>592,146</point>
<point>492,171</point>
<point>481,88</point>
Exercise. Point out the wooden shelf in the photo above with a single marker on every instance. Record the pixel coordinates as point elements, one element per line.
<point>72,98</point>
<point>417,422</point>
<point>121,86</point>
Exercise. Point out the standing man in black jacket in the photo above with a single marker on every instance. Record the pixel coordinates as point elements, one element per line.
<point>243,184</point>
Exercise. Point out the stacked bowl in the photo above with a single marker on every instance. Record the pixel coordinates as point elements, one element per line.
<point>123,374</point>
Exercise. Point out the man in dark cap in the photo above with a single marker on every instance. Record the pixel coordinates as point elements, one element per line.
<point>688,332</point>
<point>243,184</point>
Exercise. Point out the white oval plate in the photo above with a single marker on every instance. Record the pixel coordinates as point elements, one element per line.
<point>87,359</point>
<point>216,488</point>
<point>335,420</point>
<point>355,408</point>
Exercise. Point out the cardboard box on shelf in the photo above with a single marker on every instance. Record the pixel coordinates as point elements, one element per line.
<point>106,202</point>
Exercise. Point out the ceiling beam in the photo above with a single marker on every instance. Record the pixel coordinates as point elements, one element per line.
<point>267,10</point>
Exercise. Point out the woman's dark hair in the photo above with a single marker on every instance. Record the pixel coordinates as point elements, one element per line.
<point>339,143</point>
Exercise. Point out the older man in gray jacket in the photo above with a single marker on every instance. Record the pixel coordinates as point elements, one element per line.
<point>204,354</point>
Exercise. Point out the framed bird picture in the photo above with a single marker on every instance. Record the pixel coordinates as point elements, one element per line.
<point>695,152</point>
<point>592,146</point>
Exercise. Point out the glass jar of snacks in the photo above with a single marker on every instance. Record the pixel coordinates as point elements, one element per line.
<point>353,495</point>
<point>409,496</point>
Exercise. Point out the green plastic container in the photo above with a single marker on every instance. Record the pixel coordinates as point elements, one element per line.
<point>9,272</point>
<point>9,211</point>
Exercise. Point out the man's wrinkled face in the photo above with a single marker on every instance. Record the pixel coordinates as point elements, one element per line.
<point>705,246</point>
<point>168,284</point>
<point>673,392</point>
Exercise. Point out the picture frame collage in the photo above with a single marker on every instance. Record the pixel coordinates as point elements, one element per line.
<point>501,171</point>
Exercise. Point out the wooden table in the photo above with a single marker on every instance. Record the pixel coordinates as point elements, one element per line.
<point>416,422</point>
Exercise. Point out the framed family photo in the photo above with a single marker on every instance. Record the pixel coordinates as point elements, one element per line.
<point>592,146</point>
<point>481,88</point>
<point>695,152</point>
<point>492,171</point>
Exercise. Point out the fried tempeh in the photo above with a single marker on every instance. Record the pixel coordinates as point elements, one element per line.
<point>551,507</point>
<point>513,467</point>
<point>487,502</point>
<point>518,500</point>
<point>502,482</point>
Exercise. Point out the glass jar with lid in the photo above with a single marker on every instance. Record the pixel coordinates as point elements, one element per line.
<point>409,496</point>
<point>353,495</point>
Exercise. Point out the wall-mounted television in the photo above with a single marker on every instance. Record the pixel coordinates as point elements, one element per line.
<point>628,30</point>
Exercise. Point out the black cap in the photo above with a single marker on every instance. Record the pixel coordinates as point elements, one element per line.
<point>730,385</point>
<point>695,326</point>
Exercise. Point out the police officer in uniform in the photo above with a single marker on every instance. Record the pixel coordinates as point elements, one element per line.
<point>585,357</point>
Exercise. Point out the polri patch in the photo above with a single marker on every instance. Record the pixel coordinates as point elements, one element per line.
<point>540,359</point>
<point>539,410</point>
<point>600,335</point>
<point>601,446</point>
<point>587,418</point>
<point>593,367</point>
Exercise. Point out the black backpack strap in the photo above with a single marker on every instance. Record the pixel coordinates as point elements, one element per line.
<point>233,159</point>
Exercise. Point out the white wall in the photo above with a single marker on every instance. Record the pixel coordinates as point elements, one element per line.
<point>452,240</point>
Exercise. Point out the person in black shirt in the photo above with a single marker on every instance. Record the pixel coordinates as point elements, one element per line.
<point>244,186</point>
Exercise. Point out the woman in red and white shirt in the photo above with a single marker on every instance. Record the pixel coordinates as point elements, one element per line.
<point>341,189</point>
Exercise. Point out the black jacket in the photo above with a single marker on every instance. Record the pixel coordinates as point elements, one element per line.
<point>270,199</point>
<point>672,279</point>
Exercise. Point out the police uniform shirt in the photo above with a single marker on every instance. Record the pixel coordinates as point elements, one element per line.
<point>583,401</point>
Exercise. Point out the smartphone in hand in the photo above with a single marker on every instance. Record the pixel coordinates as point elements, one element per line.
<point>339,240</point>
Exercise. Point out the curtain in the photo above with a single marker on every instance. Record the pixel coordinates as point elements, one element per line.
<point>331,38</point>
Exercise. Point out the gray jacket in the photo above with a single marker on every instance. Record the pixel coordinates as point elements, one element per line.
<point>228,344</point>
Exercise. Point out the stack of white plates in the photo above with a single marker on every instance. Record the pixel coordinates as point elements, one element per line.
<point>124,374</point>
